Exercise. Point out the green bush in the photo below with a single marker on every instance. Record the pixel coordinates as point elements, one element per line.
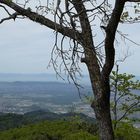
<point>80,136</point>
<point>67,130</point>
<point>126,131</point>
<point>56,130</point>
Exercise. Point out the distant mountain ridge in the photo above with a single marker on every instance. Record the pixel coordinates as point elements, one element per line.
<point>9,120</point>
<point>12,77</point>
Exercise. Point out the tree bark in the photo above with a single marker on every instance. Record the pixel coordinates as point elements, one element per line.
<point>99,81</point>
<point>101,106</point>
<point>101,85</point>
<point>104,122</point>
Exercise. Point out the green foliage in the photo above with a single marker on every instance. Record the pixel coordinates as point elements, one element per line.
<point>87,126</point>
<point>74,129</point>
<point>125,101</point>
<point>58,130</point>
<point>125,82</point>
<point>126,131</point>
<point>8,0</point>
<point>81,136</point>
<point>8,121</point>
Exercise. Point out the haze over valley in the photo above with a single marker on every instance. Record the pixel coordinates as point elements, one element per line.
<point>21,93</point>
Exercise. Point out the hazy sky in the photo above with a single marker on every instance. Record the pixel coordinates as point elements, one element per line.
<point>25,47</point>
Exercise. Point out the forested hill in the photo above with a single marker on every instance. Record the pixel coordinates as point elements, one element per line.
<point>67,127</point>
<point>9,120</point>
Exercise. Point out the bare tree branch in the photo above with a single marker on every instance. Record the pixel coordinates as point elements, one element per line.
<point>127,111</point>
<point>5,9</point>
<point>13,16</point>
<point>43,20</point>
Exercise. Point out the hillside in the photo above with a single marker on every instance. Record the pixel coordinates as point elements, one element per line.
<point>74,129</point>
<point>52,130</point>
<point>9,120</point>
<point>45,125</point>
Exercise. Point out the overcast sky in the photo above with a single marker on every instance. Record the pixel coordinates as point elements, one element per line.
<point>25,47</point>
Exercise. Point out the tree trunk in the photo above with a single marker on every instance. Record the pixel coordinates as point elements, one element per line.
<point>101,105</point>
<point>102,112</point>
<point>101,89</point>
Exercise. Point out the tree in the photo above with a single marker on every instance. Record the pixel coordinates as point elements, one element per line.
<point>125,101</point>
<point>74,19</point>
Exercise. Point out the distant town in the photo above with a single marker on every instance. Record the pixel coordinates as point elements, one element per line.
<point>22,97</point>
